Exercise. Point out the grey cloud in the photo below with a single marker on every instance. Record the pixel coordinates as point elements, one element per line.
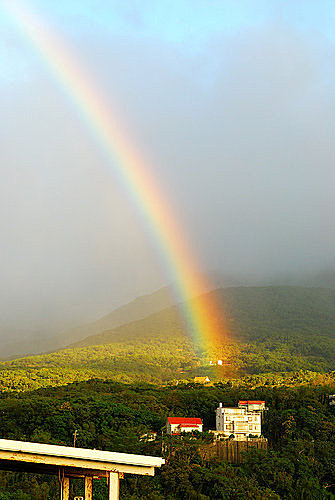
<point>240,136</point>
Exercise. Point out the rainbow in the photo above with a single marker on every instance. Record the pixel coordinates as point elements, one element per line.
<point>133,172</point>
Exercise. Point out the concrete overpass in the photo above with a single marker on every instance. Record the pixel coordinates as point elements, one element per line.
<point>67,462</point>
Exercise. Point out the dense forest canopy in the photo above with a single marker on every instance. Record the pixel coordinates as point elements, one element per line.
<point>300,427</point>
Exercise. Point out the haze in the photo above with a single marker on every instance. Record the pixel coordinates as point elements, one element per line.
<point>233,103</point>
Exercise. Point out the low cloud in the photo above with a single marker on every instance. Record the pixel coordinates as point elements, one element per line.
<point>240,134</point>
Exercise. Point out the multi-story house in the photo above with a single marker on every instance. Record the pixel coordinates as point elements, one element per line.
<point>240,422</point>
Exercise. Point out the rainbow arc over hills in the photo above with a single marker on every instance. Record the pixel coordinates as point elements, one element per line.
<point>202,314</point>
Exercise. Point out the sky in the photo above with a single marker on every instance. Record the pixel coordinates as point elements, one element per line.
<point>232,104</point>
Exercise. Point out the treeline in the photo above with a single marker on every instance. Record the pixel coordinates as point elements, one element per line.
<point>299,424</point>
<point>154,362</point>
<point>163,361</point>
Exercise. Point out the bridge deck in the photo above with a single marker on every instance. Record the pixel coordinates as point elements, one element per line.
<point>69,462</point>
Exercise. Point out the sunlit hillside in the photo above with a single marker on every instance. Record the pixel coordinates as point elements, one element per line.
<point>270,330</point>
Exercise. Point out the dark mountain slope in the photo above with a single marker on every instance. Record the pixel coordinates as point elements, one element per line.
<point>249,312</point>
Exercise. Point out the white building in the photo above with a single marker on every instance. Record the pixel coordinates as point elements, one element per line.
<point>176,425</point>
<point>242,421</point>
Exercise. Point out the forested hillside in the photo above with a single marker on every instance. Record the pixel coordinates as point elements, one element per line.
<point>268,330</point>
<point>299,425</point>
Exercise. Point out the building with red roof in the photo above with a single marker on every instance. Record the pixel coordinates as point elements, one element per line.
<point>240,422</point>
<point>176,425</point>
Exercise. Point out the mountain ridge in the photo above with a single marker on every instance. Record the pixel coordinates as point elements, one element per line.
<point>249,298</point>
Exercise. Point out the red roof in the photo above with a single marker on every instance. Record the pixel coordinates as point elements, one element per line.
<point>251,402</point>
<point>184,420</point>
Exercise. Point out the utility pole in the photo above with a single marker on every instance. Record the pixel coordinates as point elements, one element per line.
<point>75,438</point>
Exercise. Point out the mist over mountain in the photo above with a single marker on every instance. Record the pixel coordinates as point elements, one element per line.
<point>26,341</point>
<point>232,108</point>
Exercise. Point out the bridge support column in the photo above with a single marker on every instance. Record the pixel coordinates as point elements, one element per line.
<point>65,486</point>
<point>88,487</point>
<point>113,486</point>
